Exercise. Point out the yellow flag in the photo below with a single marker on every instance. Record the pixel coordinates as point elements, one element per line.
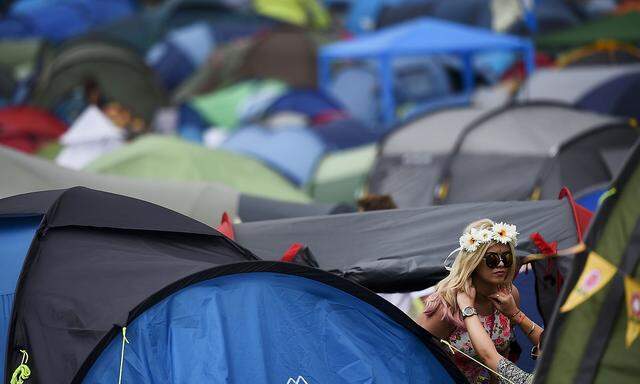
<point>596,274</point>
<point>632,294</point>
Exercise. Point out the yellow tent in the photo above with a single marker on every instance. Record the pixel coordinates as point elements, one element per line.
<point>304,13</point>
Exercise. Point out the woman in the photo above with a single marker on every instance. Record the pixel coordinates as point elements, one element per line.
<point>485,262</point>
<point>509,372</point>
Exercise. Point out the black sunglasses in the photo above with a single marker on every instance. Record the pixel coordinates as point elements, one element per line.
<point>492,259</point>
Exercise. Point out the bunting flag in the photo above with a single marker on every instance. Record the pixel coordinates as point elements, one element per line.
<point>596,274</point>
<point>632,294</point>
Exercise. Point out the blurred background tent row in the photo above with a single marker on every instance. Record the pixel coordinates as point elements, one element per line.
<point>308,93</point>
<point>195,146</point>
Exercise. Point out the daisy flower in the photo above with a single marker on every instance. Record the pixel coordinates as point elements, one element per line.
<point>504,233</point>
<point>481,235</point>
<point>468,243</point>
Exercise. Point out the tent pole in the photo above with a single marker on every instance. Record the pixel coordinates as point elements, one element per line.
<point>388,101</point>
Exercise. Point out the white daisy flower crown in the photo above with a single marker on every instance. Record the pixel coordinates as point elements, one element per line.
<point>502,233</point>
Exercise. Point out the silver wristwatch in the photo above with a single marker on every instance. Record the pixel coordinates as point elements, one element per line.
<point>468,311</point>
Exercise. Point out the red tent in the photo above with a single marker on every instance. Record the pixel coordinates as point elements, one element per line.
<point>27,128</point>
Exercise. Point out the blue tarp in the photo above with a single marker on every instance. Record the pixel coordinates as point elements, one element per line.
<point>266,328</point>
<point>294,152</point>
<point>421,37</point>
<point>60,20</point>
<point>309,102</point>
<point>16,234</point>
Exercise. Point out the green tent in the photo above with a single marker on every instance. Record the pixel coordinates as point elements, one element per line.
<point>222,108</point>
<point>169,158</point>
<point>587,344</point>
<point>20,55</point>
<point>119,73</point>
<point>623,28</point>
<point>341,175</point>
<point>205,202</point>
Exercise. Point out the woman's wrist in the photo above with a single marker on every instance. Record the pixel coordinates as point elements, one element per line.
<point>517,316</point>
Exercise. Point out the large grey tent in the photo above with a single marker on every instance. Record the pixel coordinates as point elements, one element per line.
<point>205,202</point>
<point>611,89</point>
<point>523,151</point>
<point>404,250</point>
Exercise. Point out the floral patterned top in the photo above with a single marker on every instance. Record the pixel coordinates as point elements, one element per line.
<point>497,325</point>
<point>499,329</point>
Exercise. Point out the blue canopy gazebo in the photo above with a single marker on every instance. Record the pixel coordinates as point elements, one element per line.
<point>422,37</point>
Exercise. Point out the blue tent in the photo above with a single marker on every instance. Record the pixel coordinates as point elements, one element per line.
<point>294,152</point>
<point>16,233</point>
<point>309,102</point>
<point>181,52</point>
<point>345,133</point>
<point>618,96</point>
<point>95,256</point>
<point>186,48</point>
<point>60,20</point>
<point>268,322</point>
<point>419,38</point>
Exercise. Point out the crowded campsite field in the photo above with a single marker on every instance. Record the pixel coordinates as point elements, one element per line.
<point>319,191</point>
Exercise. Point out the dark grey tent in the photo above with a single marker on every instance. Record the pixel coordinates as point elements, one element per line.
<point>610,89</point>
<point>404,250</point>
<point>118,72</point>
<point>523,151</point>
<point>94,257</point>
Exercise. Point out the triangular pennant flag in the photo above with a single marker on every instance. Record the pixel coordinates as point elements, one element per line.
<point>226,226</point>
<point>596,274</point>
<point>632,294</point>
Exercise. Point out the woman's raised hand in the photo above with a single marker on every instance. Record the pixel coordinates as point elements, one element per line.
<point>504,302</point>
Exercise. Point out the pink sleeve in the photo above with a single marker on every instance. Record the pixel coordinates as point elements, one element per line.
<point>433,303</point>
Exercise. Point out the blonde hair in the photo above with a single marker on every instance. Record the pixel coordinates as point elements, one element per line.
<point>465,264</point>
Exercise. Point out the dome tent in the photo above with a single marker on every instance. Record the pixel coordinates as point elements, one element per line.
<point>404,250</point>
<point>143,29</point>
<point>166,158</point>
<point>609,89</point>
<point>340,175</point>
<point>538,148</point>
<point>298,324</point>
<point>118,72</point>
<point>202,201</point>
<point>587,344</point>
<point>96,255</point>
<point>28,128</point>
